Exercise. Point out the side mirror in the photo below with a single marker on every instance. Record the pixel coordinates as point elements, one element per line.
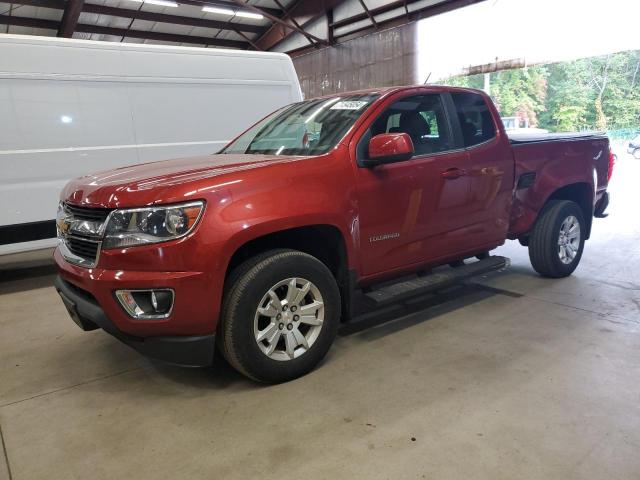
<point>389,148</point>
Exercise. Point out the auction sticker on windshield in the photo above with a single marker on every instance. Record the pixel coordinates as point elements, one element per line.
<point>348,105</point>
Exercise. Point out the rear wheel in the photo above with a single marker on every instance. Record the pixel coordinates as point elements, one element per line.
<point>280,315</point>
<point>557,240</point>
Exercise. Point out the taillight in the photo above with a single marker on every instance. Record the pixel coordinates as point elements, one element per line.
<point>612,161</point>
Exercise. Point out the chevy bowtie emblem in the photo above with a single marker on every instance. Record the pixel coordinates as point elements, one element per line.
<point>63,225</point>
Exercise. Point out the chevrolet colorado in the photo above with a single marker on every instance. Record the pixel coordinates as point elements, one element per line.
<point>259,249</point>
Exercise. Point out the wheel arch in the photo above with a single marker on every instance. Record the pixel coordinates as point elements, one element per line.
<point>323,241</point>
<point>580,193</point>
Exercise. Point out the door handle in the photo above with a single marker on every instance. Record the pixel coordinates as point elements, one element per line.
<point>453,173</point>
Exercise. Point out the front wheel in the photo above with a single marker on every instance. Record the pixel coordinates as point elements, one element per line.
<point>280,315</point>
<point>557,239</point>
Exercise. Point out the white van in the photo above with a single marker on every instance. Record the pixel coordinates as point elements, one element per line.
<point>70,107</point>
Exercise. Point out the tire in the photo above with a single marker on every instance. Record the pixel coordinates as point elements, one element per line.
<point>545,251</point>
<point>636,154</point>
<point>249,288</point>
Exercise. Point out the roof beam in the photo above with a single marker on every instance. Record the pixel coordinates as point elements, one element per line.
<point>371,12</point>
<point>304,12</point>
<point>231,4</point>
<point>122,32</point>
<point>284,22</point>
<point>142,15</point>
<point>168,18</point>
<point>255,47</point>
<point>163,37</point>
<point>72,11</point>
<point>435,9</point>
<point>55,4</point>
<point>29,22</point>
<point>330,27</point>
<point>368,12</point>
<point>413,16</point>
<point>293,20</point>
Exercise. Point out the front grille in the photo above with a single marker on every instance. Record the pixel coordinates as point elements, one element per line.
<point>81,230</point>
<point>85,213</point>
<point>84,248</point>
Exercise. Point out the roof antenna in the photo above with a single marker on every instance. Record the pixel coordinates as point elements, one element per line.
<point>428,77</point>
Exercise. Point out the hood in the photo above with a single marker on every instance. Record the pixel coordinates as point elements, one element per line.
<point>142,184</point>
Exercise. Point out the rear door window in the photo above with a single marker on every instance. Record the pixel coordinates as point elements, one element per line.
<point>476,121</point>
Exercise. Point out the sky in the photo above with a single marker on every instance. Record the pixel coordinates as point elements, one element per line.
<point>537,31</point>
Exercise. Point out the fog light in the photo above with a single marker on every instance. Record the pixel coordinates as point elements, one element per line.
<point>146,304</point>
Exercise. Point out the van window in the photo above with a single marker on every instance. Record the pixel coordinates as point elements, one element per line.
<point>475,118</point>
<point>422,118</point>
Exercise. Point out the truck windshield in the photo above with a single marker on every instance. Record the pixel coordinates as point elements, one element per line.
<point>306,128</point>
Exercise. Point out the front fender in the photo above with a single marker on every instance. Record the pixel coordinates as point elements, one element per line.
<point>313,191</point>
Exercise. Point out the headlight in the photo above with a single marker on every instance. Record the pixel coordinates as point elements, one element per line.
<point>141,226</point>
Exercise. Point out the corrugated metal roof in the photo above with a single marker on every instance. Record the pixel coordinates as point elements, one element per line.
<point>286,25</point>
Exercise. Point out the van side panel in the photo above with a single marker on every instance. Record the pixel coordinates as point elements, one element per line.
<point>76,107</point>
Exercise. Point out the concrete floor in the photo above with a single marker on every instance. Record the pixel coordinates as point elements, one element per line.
<point>519,377</point>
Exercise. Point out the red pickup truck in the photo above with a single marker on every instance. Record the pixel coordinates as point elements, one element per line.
<point>258,249</point>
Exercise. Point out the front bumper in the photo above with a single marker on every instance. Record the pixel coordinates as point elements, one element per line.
<point>194,351</point>
<point>197,298</point>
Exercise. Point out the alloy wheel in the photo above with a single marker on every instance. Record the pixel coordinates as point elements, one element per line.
<point>569,239</point>
<point>289,319</point>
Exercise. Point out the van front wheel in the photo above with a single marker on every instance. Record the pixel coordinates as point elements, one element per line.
<point>280,315</point>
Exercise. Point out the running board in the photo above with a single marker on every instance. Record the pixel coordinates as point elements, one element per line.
<point>434,281</point>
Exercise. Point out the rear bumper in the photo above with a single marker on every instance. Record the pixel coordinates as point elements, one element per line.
<point>601,206</point>
<point>193,351</point>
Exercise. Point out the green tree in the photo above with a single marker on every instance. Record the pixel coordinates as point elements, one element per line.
<point>593,93</point>
<point>568,98</point>
<point>520,92</point>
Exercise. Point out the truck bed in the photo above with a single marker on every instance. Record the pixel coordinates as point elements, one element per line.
<point>525,138</point>
<point>545,162</point>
